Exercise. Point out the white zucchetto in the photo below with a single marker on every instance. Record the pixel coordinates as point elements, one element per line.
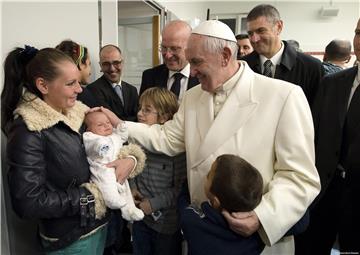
<point>215,28</point>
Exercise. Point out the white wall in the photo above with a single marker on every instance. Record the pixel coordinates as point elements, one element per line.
<point>185,10</point>
<point>46,24</point>
<point>301,18</point>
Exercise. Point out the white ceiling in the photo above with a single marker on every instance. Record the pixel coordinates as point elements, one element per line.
<point>268,1</point>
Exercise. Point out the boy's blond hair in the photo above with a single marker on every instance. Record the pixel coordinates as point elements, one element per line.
<point>163,100</point>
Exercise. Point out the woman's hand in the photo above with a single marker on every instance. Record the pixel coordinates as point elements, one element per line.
<point>115,120</point>
<point>137,196</point>
<point>243,223</point>
<point>123,168</point>
<point>145,206</point>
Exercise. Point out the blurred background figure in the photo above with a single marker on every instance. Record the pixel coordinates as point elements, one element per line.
<point>337,55</point>
<point>81,57</point>
<point>244,44</point>
<point>295,44</point>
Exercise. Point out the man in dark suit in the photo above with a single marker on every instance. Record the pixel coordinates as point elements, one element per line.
<point>336,210</point>
<point>109,90</point>
<point>174,41</point>
<point>276,57</point>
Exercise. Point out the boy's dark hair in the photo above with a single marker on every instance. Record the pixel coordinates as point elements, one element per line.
<point>236,183</point>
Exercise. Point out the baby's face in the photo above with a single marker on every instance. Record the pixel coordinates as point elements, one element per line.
<point>99,124</point>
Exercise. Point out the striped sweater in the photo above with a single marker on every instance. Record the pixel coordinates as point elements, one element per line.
<point>161,182</point>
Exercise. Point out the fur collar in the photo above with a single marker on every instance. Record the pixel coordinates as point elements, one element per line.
<point>38,115</point>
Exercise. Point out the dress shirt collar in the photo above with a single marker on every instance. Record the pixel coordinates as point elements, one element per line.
<point>276,59</point>
<point>185,71</point>
<point>115,84</point>
<point>228,85</point>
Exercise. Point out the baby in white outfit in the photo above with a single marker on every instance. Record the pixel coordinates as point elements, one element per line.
<point>103,143</point>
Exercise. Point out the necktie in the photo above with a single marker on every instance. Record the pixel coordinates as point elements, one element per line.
<point>119,93</point>
<point>175,87</point>
<point>267,68</point>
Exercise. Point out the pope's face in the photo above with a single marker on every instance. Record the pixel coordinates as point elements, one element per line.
<point>204,65</point>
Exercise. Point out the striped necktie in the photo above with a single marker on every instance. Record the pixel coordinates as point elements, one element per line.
<point>267,68</point>
<point>118,91</point>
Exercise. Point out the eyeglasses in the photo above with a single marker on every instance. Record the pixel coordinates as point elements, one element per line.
<point>171,49</point>
<point>107,65</point>
<point>147,111</point>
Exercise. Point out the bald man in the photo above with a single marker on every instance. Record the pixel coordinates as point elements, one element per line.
<point>110,90</point>
<point>175,36</point>
<point>337,55</point>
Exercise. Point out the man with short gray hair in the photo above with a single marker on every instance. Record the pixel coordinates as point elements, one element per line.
<point>276,58</point>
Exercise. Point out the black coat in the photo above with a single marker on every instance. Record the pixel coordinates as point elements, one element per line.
<point>87,97</point>
<point>335,211</point>
<point>295,67</point>
<point>107,97</point>
<point>158,77</point>
<point>46,169</point>
<point>329,116</point>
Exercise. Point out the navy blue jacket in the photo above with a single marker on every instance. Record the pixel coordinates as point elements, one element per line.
<point>207,232</point>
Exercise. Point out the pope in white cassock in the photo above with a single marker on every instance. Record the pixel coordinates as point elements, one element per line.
<point>236,111</point>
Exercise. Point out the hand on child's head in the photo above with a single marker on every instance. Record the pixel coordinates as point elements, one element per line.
<point>94,109</point>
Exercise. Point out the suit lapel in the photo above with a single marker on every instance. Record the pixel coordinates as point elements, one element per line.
<point>235,112</point>
<point>193,81</point>
<point>205,114</point>
<point>125,93</point>
<point>344,84</point>
<point>163,77</point>
<point>253,60</point>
